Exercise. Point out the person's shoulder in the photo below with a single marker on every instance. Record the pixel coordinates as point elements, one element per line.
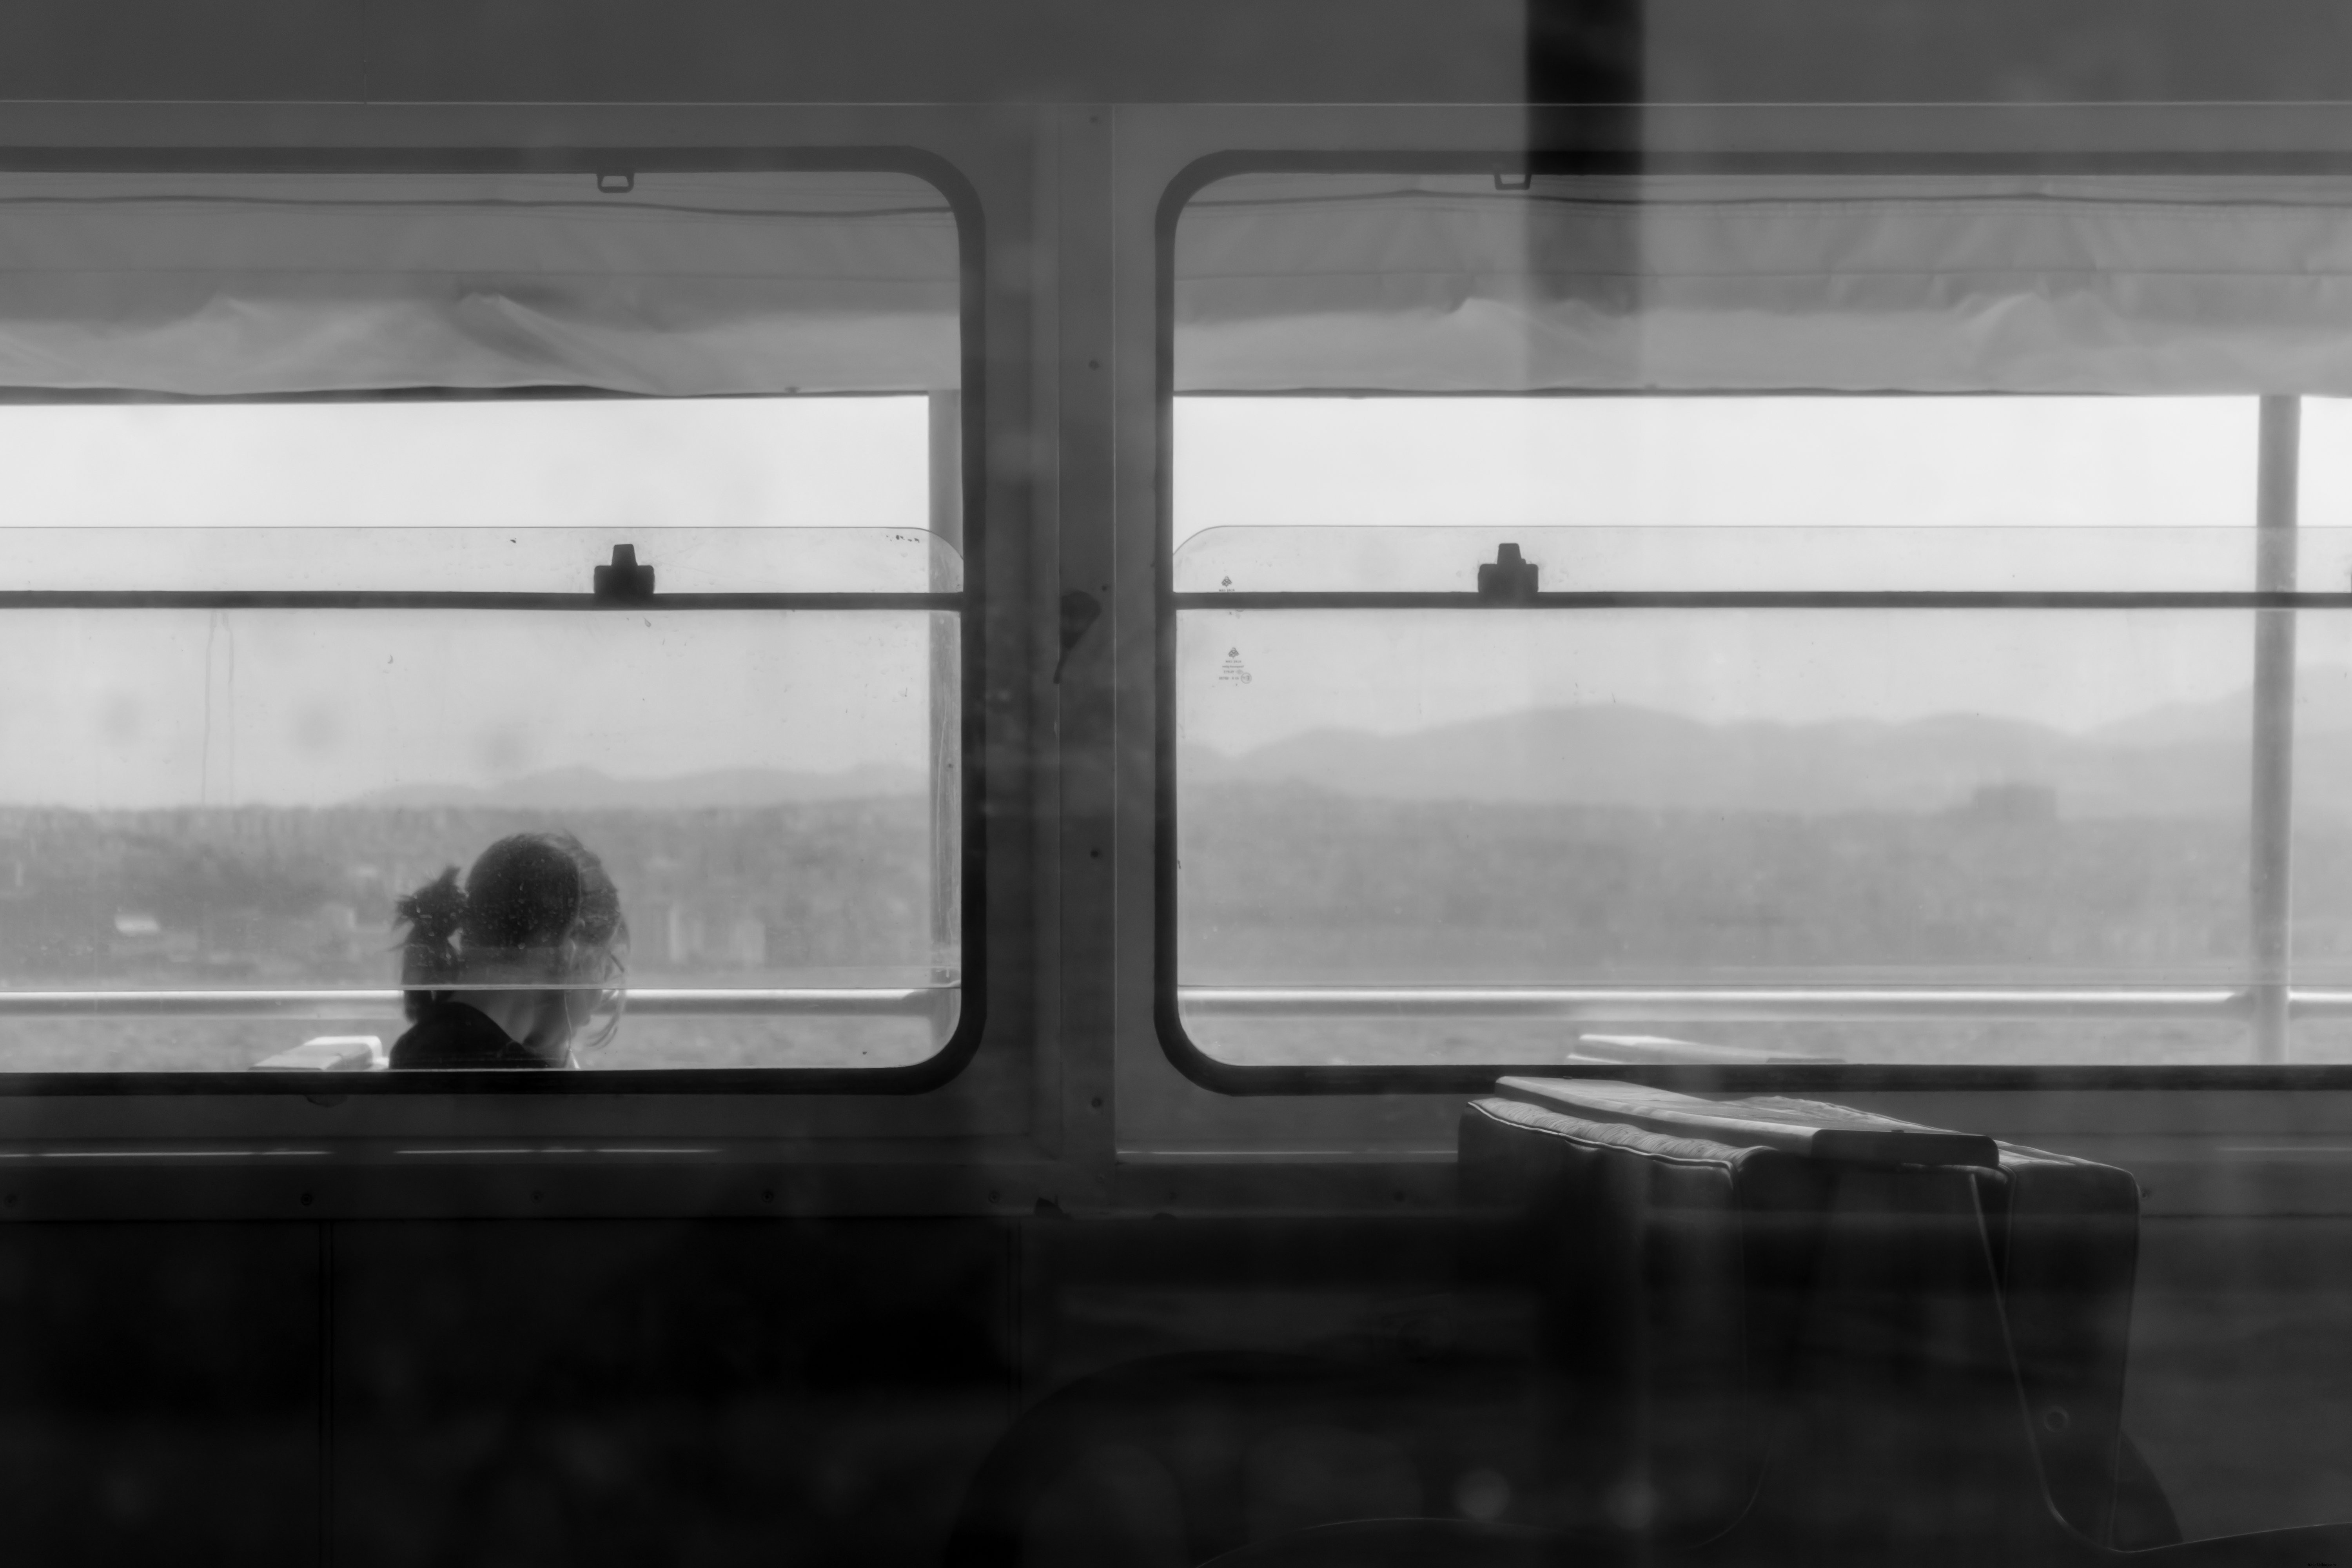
<point>452,1035</point>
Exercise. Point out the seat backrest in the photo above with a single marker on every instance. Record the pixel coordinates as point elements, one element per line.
<point>1727,1275</point>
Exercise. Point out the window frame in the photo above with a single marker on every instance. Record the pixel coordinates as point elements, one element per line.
<point>2265,999</point>
<point>957,1052</point>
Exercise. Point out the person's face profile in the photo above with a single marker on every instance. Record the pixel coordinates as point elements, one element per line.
<point>581,990</point>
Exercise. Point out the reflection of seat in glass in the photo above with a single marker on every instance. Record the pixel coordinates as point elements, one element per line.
<point>1783,1332</point>
<point>1794,1331</point>
<point>1775,1330</point>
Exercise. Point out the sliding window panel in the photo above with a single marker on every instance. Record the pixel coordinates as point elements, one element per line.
<point>207,814</point>
<point>1996,803</point>
<point>442,458</point>
<point>1589,459</point>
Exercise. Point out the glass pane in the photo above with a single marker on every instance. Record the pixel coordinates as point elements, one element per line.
<point>1938,799</point>
<point>810,494</point>
<point>231,800</point>
<point>2324,472</point>
<point>2323,823</point>
<point>573,462</point>
<point>2322,929</point>
<point>1705,799</point>
<point>1714,462</point>
<point>474,561</point>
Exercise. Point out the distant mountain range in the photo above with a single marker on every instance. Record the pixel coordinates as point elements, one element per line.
<point>2188,760</point>
<point>586,789</point>
<point>2182,760</point>
<point>2323,705</point>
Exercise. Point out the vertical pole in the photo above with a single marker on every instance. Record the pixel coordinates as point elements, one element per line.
<point>2271,864</point>
<point>944,722</point>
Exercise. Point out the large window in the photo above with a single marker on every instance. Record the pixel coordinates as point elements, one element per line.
<point>1773,620</point>
<point>324,495</point>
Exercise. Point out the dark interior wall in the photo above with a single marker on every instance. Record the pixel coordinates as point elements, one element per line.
<point>160,1393</point>
<point>698,1392</point>
<point>631,1392</point>
<point>1215,51</point>
<point>368,1392</point>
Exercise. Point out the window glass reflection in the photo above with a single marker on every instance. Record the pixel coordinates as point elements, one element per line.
<point>218,801</point>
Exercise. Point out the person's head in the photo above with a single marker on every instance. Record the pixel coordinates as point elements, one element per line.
<point>536,928</point>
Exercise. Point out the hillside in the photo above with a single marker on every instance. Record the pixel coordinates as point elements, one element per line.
<point>2187,761</point>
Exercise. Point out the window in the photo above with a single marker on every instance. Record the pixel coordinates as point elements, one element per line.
<point>1916,657</point>
<point>324,496</point>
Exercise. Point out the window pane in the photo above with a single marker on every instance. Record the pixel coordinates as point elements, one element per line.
<point>1706,800</point>
<point>1775,798</point>
<point>573,462</point>
<point>230,800</point>
<point>474,560</point>
<point>2321,929</point>
<point>1714,462</point>
<point>775,494</point>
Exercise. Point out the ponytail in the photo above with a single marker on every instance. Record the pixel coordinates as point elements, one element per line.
<point>432,914</point>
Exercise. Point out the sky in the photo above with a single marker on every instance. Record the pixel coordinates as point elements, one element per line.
<point>1737,461</point>
<point>154,708</point>
<point>810,462</point>
<point>142,709</point>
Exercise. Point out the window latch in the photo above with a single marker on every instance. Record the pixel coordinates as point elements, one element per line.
<point>626,582</point>
<point>1509,579</point>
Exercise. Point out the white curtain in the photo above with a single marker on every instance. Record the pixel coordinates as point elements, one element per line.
<point>1335,282</point>
<point>688,284</point>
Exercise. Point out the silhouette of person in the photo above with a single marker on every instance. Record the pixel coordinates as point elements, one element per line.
<point>506,970</point>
